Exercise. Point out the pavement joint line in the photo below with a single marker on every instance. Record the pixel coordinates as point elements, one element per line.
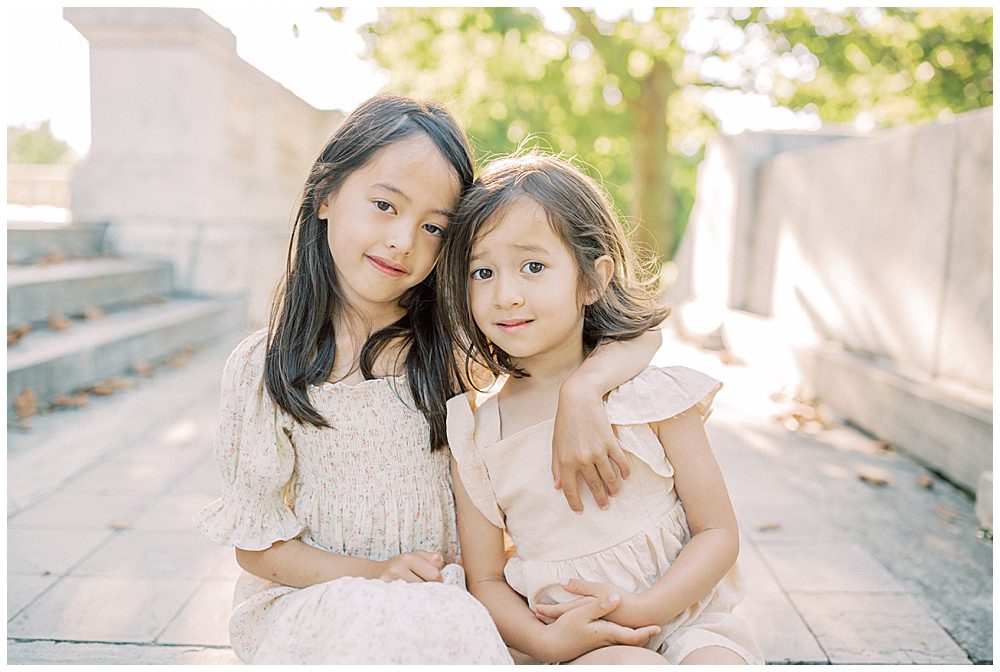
<point>31,640</point>
<point>61,577</point>
<point>178,612</point>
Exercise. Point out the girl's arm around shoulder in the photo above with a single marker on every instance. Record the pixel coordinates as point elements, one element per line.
<point>568,637</point>
<point>715,543</point>
<point>583,444</point>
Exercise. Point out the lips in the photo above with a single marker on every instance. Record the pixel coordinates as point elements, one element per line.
<point>513,325</point>
<point>385,266</point>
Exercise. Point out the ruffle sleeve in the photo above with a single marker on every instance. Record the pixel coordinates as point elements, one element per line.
<point>475,478</point>
<point>254,454</point>
<point>660,393</point>
<point>657,394</point>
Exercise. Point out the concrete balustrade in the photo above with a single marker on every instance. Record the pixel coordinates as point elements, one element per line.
<point>197,158</point>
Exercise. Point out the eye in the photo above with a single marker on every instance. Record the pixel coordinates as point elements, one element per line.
<point>533,267</point>
<point>434,229</point>
<point>482,274</point>
<point>384,206</point>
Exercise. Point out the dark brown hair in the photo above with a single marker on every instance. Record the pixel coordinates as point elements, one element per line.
<point>301,348</point>
<point>580,212</point>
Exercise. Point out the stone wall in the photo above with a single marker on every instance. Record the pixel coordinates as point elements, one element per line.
<point>196,157</point>
<point>862,267</point>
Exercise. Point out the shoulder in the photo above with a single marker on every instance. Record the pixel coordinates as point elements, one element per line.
<point>246,361</point>
<point>659,393</point>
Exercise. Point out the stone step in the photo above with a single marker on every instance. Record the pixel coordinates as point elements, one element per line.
<point>54,363</point>
<point>29,241</point>
<point>72,287</point>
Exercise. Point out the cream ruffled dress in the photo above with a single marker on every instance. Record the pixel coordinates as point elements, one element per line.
<point>632,542</point>
<point>369,487</point>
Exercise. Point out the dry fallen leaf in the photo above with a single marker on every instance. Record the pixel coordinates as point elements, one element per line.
<point>59,322</point>
<point>142,368</point>
<point>54,258</point>
<point>883,446</point>
<point>93,313</point>
<point>769,527</point>
<point>874,476</point>
<point>947,514</point>
<point>25,404</point>
<point>120,525</point>
<point>925,480</point>
<point>155,300</point>
<point>70,401</point>
<point>17,333</point>
<point>109,386</point>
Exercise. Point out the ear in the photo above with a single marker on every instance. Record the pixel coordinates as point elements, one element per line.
<point>324,208</point>
<point>604,268</point>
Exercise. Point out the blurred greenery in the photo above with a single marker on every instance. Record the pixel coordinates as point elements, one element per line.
<point>37,144</point>
<point>629,96</point>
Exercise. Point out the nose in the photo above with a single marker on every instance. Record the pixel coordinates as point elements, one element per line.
<point>400,236</point>
<point>507,292</point>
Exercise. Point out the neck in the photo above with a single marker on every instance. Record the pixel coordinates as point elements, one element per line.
<point>549,370</point>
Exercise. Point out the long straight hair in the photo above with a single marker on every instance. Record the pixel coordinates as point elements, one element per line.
<point>581,214</point>
<point>301,343</point>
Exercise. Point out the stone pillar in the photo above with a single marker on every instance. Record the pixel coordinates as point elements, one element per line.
<point>196,157</point>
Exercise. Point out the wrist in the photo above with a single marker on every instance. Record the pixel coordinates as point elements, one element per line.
<point>652,609</point>
<point>580,386</point>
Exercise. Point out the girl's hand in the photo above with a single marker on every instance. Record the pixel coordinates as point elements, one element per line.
<point>582,629</point>
<point>584,445</point>
<point>414,567</point>
<point>631,611</point>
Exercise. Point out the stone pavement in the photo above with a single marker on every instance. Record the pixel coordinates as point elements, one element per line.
<point>103,565</point>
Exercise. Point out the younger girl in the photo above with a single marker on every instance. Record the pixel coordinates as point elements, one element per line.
<point>537,272</point>
<point>337,492</point>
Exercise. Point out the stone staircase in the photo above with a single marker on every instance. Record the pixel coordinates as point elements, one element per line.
<point>78,315</point>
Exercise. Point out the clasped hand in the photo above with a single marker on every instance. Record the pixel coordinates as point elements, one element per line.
<point>631,611</point>
<point>587,625</point>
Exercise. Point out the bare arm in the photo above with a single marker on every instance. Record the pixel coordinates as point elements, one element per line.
<point>715,539</point>
<point>583,444</point>
<point>703,561</point>
<point>297,564</point>
<point>565,638</point>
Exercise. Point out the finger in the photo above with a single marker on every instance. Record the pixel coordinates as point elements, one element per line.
<point>402,574</point>
<point>637,637</point>
<point>596,485</point>
<point>608,475</point>
<point>571,489</point>
<point>556,610</point>
<point>556,479</point>
<point>423,568</point>
<point>597,608</point>
<point>545,619</point>
<point>621,461</point>
<point>585,588</point>
<point>433,558</point>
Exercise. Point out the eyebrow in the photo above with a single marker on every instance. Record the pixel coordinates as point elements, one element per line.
<point>396,190</point>
<point>523,248</point>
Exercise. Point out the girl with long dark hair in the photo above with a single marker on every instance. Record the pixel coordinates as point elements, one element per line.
<point>331,441</point>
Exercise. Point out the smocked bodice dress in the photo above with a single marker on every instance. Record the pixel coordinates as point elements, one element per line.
<point>367,487</point>
<point>632,542</point>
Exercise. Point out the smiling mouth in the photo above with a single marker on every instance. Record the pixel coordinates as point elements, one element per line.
<point>513,325</point>
<point>386,266</point>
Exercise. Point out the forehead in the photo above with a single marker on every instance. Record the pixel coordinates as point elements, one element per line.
<point>522,222</point>
<point>415,166</point>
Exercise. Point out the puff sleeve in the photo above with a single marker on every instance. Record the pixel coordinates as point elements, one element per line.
<point>254,454</point>
<point>461,425</point>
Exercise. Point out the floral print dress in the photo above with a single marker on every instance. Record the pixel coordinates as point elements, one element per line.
<point>368,486</point>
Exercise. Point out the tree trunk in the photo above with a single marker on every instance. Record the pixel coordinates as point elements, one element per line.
<point>654,207</point>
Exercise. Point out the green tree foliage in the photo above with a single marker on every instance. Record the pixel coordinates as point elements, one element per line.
<point>36,144</point>
<point>627,96</point>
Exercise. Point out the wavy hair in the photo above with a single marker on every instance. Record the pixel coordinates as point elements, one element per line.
<point>581,214</point>
<point>301,344</point>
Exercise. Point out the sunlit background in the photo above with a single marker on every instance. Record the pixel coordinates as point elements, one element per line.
<point>587,82</point>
